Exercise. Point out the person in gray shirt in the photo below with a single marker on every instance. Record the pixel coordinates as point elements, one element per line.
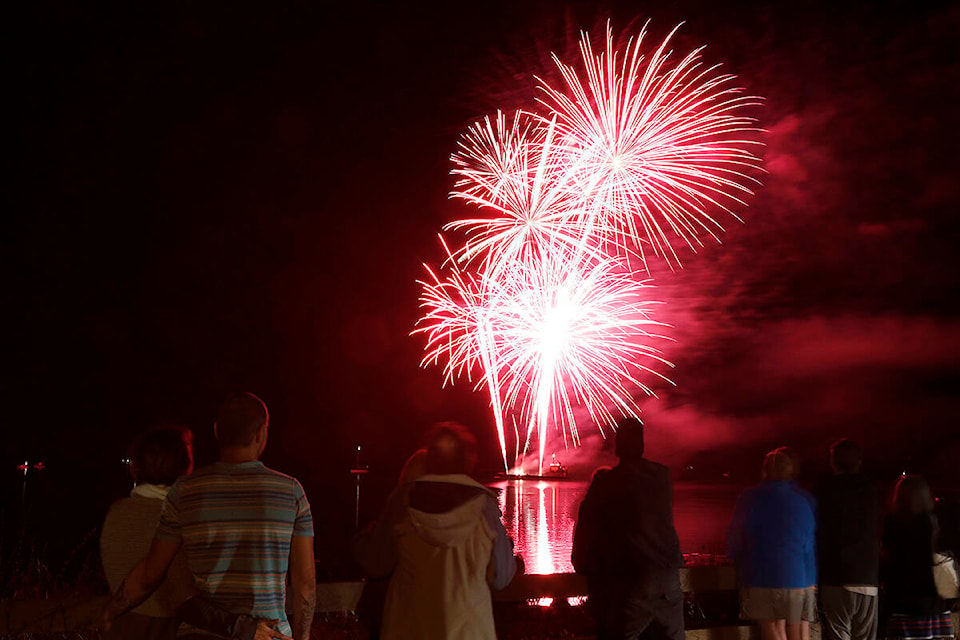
<point>157,458</point>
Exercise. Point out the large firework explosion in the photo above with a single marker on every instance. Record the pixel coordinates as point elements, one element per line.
<point>541,305</point>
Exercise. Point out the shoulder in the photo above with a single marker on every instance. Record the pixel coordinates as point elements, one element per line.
<point>278,475</point>
<point>281,479</point>
<point>601,476</point>
<point>805,496</point>
<point>116,512</point>
<point>660,470</point>
<point>199,476</point>
<point>754,491</point>
<point>748,496</point>
<point>602,473</point>
<point>118,505</point>
<point>134,506</point>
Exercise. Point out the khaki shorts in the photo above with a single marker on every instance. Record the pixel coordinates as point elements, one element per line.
<point>792,605</point>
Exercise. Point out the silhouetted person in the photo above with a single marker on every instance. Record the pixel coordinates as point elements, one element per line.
<point>157,458</point>
<point>771,540</point>
<point>626,545</point>
<point>374,596</point>
<point>848,547</point>
<point>242,527</point>
<point>443,539</point>
<point>915,609</point>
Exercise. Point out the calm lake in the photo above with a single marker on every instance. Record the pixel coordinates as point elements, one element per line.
<point>540,516</point>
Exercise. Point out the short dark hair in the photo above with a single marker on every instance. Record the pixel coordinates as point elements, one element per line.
<point>162,454</point>
<point>239,419</point>
<point>630,444</point>
<point>451,448</point>
<point>846,456</point>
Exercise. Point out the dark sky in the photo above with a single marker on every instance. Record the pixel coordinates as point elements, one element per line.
<point>209,197</point>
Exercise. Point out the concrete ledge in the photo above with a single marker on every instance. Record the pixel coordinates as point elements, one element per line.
<point>738,632</point>
<point>78,613</point>
<point>566,585</point>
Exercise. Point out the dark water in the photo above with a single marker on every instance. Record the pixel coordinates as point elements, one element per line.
<point>540,516</point>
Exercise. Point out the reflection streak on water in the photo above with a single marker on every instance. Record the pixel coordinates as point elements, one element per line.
<point>543,515</point>
<point>540,516</point>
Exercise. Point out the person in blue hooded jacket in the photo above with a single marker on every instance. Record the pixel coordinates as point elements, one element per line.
<point>772,542</point>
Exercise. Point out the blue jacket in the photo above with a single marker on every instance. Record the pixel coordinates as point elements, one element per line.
<point>771,538</point>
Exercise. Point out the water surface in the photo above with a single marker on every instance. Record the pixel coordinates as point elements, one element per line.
<point>540,516</point>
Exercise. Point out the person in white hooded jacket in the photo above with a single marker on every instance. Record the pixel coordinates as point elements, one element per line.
<point>443,539</point>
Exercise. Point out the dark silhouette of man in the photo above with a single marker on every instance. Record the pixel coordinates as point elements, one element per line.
<point>626,545</point>
<point>848,547</point>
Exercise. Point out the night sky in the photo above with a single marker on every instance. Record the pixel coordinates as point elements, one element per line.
<point>213,197</point>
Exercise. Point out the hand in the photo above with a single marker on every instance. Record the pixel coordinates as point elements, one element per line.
<point>106,620</point>
<point>266,631</point>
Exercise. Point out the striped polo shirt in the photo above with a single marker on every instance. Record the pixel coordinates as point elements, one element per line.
<point>235,522</point>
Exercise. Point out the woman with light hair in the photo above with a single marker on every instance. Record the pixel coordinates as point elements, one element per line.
<point>908,589</point>
<point>771,540</point>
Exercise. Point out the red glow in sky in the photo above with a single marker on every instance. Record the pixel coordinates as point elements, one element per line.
<point>542,297</point>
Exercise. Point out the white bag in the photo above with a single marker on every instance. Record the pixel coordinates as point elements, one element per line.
<point>945,575</point>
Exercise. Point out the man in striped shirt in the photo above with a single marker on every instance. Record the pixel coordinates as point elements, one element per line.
<point>242,528</point>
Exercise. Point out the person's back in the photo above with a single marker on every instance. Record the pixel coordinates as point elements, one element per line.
<point>915,609</point>
<point>443,539</point>
<point>127,533</point>
<point>771,541</point>
<point>158,457</point>
<point>848,547</point>
<point>236,522</point>
<point>909,585</point>
<point>440,586</point>
<point>633,506</point>
<point>626,545</point>
<point>909,538</point>
<point>777,547</point>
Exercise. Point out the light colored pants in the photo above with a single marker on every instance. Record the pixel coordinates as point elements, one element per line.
<point>847,615</point>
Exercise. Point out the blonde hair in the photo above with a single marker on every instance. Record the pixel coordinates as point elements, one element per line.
<point>780,464</point>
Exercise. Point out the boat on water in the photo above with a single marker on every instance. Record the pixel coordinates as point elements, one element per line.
<point>556,471</point>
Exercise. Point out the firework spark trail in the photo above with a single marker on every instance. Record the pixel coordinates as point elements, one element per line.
<point>459,329</point>
<point>650,146</point>
<point>516,173</point>
<point>541,298</point>
<point>546,337</point>
<point>573,333</point>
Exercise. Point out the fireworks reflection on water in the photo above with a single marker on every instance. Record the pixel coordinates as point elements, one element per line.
<point>540,516</point>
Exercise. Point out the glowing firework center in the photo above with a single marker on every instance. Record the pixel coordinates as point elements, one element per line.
<point>542,305</point>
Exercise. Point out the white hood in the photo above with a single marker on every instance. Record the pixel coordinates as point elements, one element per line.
<point>451,528</point>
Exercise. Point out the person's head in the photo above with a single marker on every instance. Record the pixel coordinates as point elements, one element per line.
<point>414,467</point>
<point>450,449</point>
<point>912,496</point>
<point>780,464</point>
<point>161,455</point>
<point>845,456</point>
<point>242,421</point>
<point>629,439</point>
